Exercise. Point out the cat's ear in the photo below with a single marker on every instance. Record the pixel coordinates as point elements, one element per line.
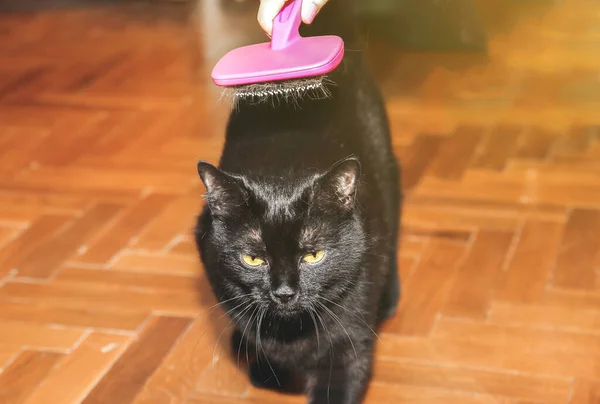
<point>340,184</point>
<point>223,194</point>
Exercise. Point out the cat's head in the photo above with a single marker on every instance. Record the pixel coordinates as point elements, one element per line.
<point>286,246</point>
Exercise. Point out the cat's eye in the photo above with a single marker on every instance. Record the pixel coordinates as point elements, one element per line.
<point>313,258</point>
<point>252,261</point>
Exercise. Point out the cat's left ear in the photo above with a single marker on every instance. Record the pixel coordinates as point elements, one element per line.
<point>340,184</point>
<point>224,195</point>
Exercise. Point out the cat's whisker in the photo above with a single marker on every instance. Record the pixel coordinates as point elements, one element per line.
<point>230,310</point>
<point>250,321</point>
<point>217,343</point>
<point>211,309</point>
<point>255,347</point>
<point>336,318</point>
<point>262,315</point>
<point>253,318</point>
<point>331,350</point>
<point>355,314</point>
<point>316,328</point>
<point>256,342</point>
<point>242,340</point>
<point>214,307</point>
<point>239,318</point>
<point>233,317</point>
<point>324,328</point>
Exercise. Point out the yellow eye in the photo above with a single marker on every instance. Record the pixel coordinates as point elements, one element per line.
<point>252,261</point>
<point>314,257</point>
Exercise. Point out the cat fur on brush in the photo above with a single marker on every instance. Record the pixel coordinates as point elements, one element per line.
<point>298,236</point>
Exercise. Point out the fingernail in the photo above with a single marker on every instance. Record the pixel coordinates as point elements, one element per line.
<point>312,10</point>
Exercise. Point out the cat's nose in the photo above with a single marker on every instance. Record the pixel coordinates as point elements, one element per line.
<point>284,294</point>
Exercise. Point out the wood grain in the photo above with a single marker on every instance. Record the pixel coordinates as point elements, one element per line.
<point>104,113</point>
<point>424,299</point>
<point>127,376</point>
<point>42,262</point>
<point>127,227</point>
<point>39,231</point>
<point>19,380</point>
<point>530,266</point>
<point>81,370</point>
<point>578,252</point>
<point>471,291</point>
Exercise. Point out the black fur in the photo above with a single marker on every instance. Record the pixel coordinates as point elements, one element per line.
<point>292,180</point>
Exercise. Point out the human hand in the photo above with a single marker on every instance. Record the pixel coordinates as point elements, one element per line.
<point>269,9</point>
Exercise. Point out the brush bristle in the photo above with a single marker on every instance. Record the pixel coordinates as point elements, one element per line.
<point>287,91</point>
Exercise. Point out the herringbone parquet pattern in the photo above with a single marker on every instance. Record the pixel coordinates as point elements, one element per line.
<point>102,299</point>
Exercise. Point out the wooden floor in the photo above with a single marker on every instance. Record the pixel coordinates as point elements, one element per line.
<point>102,299</point>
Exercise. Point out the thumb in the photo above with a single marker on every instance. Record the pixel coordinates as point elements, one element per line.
<point>267,12</point>
<point>269,9</point>
<point>310,9</point>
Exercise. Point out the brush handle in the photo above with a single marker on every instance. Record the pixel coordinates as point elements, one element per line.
<point>286,26</point>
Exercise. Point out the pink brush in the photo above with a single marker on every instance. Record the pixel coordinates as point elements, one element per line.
<point>288,66</point>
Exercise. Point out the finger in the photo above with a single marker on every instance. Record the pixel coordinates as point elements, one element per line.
<point>267,12</point>
<point>310,8</point>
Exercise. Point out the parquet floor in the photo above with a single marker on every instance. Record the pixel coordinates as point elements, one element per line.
<point>102,299</point>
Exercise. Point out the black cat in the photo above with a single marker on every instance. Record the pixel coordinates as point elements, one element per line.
<point>299,234</point>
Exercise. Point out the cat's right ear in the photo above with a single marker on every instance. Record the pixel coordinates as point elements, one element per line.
<point>339,185</point>
<point>223,194</point>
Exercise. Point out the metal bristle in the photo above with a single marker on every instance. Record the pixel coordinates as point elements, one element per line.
<point>289,91</point>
